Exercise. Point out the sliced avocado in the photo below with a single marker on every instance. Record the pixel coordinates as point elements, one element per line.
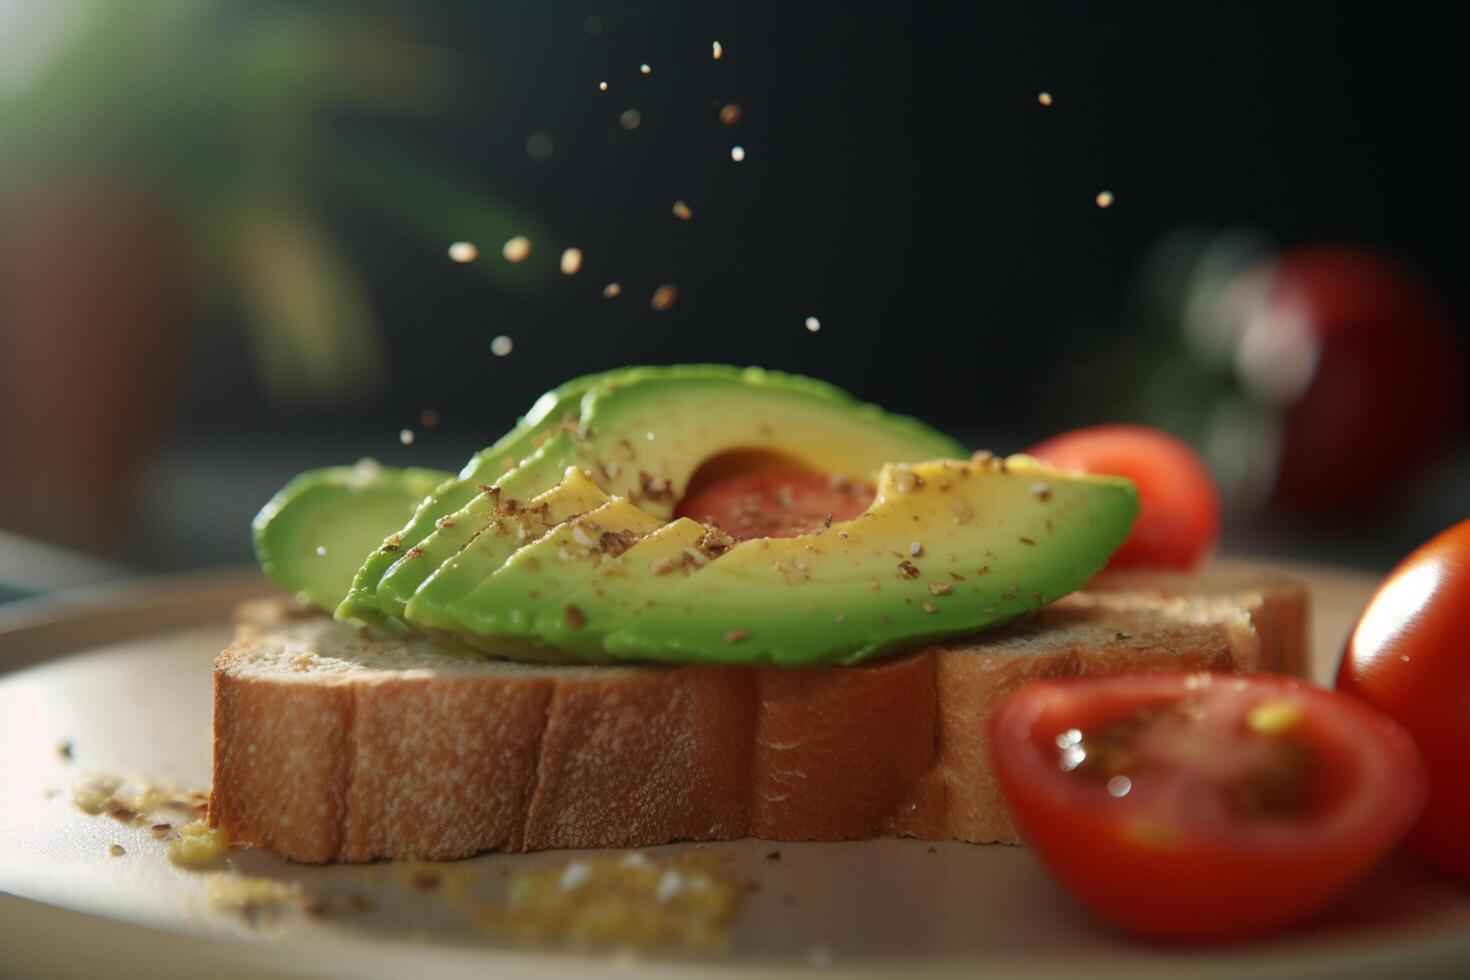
<point>947,548</point>
<point>550,412</point>
<point>510,528</point>
<point>645,431</point>
<point>621,587</point>
<point>312,535</point>
<point>499,615</point>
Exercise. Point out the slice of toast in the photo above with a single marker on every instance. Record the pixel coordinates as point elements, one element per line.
<point>333,743</point>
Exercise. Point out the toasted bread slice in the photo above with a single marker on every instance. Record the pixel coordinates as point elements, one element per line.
<point>334,743</point>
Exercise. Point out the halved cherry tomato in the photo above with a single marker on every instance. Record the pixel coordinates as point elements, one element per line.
<point>1203,806</point>
<point>1409,656</point>
<point>775,504</point>
<point>1179,507</point>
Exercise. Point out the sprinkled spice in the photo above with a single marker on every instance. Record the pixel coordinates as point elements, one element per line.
<point>664,297</point>
<point>602,86</point>
<point>736,635</point>
<point>1026,540</point>
<point>116,850</point>
<point>717,50</point>
<point>516,249</point>
<point>940,588</point>
<point>813,324</point>
<point>930,607</point>
<point>646,69</point>
<point>682,211</point>
<point>630,119</point>
<point>1044,98</point>
<point>64,750</point>
<point>574,616</point>
<point>1105,199</point>
<point>730,114</point>
<point>737,153</point>
<point>429,418</point>
<point>463,252</point>
<point>1041,491</point>
<point>501,346</point>
<point>405,436</point>
<point>612,289</point>
<point>907,570</point>
<point>571,261</point>
<point>915,548</point>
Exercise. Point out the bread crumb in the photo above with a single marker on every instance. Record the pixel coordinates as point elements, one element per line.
<point>198,845</point>
<point>631,902</point>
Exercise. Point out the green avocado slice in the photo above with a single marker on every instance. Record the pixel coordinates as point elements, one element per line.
<point>621,587</point>
<point>500,614</point>
<point>508,530</point>
<point>311,536</point>
<point>645,431</point>
<point>546,415</point>
<point>947,548</point>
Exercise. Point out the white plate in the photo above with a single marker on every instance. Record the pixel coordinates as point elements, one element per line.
<point>125,677</point>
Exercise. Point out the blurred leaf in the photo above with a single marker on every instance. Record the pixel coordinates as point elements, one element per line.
<point>315,336</point>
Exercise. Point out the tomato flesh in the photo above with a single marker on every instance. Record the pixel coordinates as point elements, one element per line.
<point>775,504</point>
<point>1200,806</point>
<point>1179,506</point>
<point>1409,656</point>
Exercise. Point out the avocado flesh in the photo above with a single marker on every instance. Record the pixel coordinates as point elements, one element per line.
<point>997,539</point>
<point>660,424</point>
<point>620,588</point>
<point>494,542</point>
<point>500,614</point>
<point>311,536</point>
<point>360,600</point>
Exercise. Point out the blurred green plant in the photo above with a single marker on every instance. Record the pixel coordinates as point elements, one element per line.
<point>224,112</point>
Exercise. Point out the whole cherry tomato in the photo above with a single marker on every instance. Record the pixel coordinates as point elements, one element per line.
<point>1409,656</point>
<point>1179,507</point>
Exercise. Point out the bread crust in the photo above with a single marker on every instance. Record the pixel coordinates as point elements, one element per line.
<point>334,743</point>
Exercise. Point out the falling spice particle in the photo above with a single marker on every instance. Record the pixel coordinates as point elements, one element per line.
<point>645,69</point>
<point>405,436</point>
<point>571,261</point>
<point>1105,199</point>
<point>737,153</point>
<point>730,114</point>
<point>717,50</point>
<point>429,418</point>
<point>813,324</point>
<point>602,86</point>
<point>516,249</point>
<point>1044,98</point>
<point>463,252</point>
<point>664,297</point>
<point>682,211</point>
<point>539,145</point>
<point>612,289</point>
<point>630,119</point>
<point>501,346</point>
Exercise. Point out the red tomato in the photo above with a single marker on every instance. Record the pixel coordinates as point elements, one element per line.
<point>1381,371</point>
<point>1409,656</point>
<point>1179,507</point>
<point>1203,806</point>
<point>775,504</point>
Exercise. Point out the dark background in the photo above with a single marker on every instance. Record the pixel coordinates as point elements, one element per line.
<point>902,184</point>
